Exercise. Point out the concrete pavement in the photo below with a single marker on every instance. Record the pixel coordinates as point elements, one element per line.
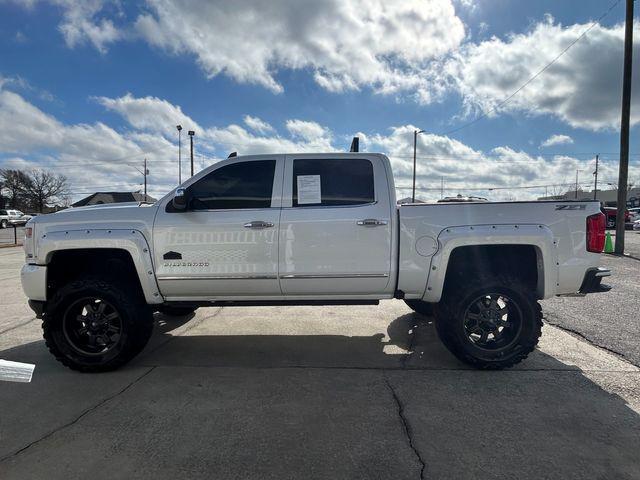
<point>610,320</point>
<point>313,392</point>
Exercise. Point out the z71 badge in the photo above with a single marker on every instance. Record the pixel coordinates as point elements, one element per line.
<point>571,207</point>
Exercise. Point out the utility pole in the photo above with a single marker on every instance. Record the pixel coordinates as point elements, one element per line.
<point>623,172</point>
<point>179,127</point>
<point>441,188</point>
<point>595,182</point>
<point>191,134</point>
<point>577,183</point>
<point>415,143</point>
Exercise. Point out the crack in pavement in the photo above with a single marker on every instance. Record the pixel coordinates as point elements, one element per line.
<point>78,418</point>
<point>588,340</point>
<point>406,426</point>
<point>18,326</point>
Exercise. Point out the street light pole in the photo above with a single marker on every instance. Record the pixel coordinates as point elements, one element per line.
<point>191,134</point>
<point>623,172</point>
<point>179,127</point>
<point>415,143</point>
<point>146,172</point>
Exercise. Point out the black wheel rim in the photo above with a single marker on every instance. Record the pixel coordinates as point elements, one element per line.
<point>492,321</point>
<point>92,326</point>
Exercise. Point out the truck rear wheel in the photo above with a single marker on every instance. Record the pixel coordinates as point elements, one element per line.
<point>489,323</point>
<point>418,306</point>
<point>96,324</point>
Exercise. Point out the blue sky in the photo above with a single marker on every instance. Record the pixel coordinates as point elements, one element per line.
<point>104,82</point>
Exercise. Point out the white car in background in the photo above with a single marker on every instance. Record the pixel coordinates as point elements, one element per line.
<point>634,214</point>
<point>13,217</point>
<point>636,226</point>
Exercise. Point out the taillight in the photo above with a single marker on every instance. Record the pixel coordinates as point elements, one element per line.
<point>595,232</point>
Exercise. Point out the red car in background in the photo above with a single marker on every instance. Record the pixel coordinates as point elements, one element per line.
<point>611,213</point>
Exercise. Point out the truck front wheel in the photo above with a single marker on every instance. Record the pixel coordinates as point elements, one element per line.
<point>489,323</point>
<point>96,324</point>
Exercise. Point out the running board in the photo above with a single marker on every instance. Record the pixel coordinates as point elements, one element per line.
<point>272,303</point>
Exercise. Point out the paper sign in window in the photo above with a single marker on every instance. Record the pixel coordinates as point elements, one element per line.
<point>309,189</point>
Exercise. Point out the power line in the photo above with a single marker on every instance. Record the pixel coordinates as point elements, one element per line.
<point>531,79</point>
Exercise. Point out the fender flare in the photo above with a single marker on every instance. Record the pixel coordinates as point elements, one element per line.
<point>130,240</point>
<point>538,236</point>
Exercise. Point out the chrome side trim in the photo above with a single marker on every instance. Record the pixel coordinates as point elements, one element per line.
<point>222,277</point>
<point>339,275</point>
<point>274,277</point>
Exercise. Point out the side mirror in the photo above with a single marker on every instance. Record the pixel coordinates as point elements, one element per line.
<point>180,199</point>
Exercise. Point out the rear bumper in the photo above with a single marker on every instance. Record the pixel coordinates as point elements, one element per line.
<point>592,282</point>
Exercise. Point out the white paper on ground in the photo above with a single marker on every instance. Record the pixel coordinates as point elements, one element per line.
<point>309,189</point>
<point>16,371</point>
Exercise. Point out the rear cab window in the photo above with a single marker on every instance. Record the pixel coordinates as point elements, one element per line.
<point>332,182</point>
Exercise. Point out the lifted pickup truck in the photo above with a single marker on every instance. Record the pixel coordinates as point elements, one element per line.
<point>306,229</point>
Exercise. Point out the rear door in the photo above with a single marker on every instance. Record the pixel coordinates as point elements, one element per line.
<point>226,243</point>
<point>335,227</point>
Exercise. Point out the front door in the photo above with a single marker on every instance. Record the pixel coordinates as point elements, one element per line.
<point>335,227</point>
<point>226,242</point>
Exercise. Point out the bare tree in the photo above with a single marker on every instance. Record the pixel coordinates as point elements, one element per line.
<point>14,183</point>
<point>44,188</point>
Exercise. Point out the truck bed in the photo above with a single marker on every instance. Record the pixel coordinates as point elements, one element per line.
<point>430,232</point>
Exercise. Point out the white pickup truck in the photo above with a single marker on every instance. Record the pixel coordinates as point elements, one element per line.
<point>306,229</point>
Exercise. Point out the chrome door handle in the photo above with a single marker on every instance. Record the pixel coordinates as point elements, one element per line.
<point>258,224</point>
<point>371,222</point>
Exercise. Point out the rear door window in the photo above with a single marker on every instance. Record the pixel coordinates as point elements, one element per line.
<point>332,182</point>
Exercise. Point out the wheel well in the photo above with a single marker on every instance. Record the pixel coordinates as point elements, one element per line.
<point>67,265</point>
<point>495,260</point>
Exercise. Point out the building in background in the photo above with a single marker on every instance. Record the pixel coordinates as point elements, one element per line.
<point>100,198</point>
<point>608,197</point>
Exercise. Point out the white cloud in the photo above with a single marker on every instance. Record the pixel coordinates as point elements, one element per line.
<point>469,171</point>
<point>583,88</point>
<point>80,24</point>
<point>309,131</point>
<point>97,157</point>
<point>85,21</point>
<point>20,37</point>
<point>149,113</point>
<point>385,45</point>
<point>557,140</point>
<point>257,125</point>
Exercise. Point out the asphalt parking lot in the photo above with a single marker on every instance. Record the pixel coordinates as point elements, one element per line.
<point>316,392</point>
<point>610,320</point>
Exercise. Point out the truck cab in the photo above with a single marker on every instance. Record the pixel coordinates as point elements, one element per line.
<point>248,230</point>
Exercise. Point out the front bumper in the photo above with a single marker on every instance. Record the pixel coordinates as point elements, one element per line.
<point>34,281</point>
<point>592,282</point>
